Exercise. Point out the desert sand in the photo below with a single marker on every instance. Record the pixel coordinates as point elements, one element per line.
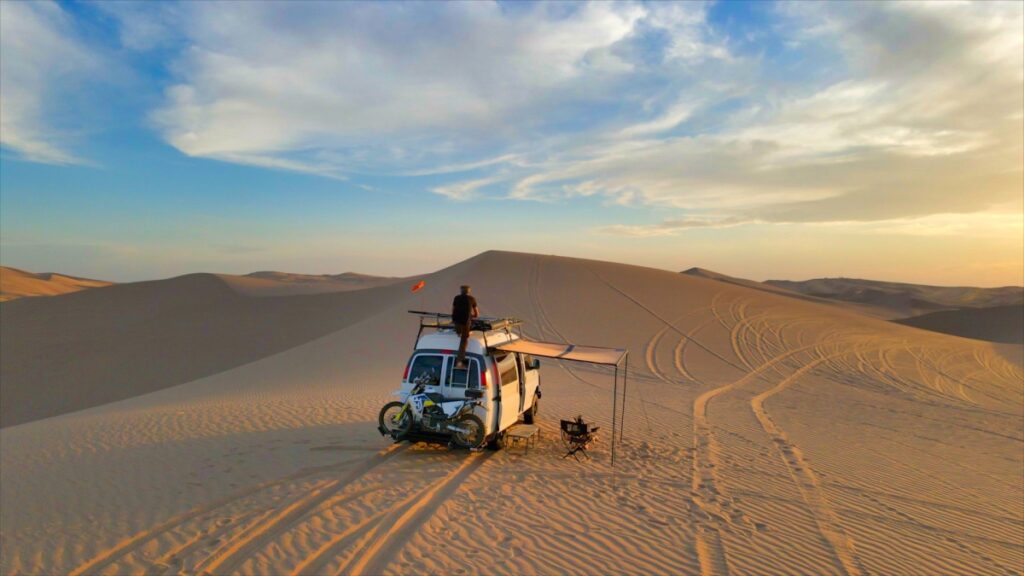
<point>764,435</point>
<point>15,283</point>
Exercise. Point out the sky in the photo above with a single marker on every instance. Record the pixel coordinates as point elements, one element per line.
<point>142,140</point>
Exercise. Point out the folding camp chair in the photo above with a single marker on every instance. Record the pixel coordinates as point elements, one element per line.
<point>577,436</point>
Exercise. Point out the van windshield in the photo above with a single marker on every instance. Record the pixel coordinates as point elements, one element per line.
<point>429,365</point>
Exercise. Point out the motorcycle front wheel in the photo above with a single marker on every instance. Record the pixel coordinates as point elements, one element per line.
<point>394,420</point>
<point>473,435</point>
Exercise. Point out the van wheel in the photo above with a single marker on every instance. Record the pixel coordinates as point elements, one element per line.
<point>531,414</point>
<point>497,441</point>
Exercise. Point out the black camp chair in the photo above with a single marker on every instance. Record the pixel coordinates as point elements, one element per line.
<point>577,436</point>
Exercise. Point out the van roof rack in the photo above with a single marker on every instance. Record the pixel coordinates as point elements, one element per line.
<point>485,324</point>
<point>442,320</point>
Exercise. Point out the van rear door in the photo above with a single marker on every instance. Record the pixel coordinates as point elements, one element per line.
<point>508,377</point>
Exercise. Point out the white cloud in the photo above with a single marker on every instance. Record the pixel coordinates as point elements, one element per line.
<point>690,37</point>
<point>41,62</point>
<point>926,119</point>
<point>379,86</point>
<point>464,190</point>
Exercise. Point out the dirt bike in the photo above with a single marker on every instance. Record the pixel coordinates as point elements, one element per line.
<point>430,412</point>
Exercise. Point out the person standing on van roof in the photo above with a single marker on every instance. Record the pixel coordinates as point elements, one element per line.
<point>464,310</point>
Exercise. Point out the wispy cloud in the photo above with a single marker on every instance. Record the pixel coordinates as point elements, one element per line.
<point>671,227</point>
<point>144,25</point>
<point>464,190</point>
<point>977,224</point>
<point>42,61</point>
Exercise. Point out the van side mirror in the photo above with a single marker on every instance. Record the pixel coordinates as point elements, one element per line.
<point>535,364</point>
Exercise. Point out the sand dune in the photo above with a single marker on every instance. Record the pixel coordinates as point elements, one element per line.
<point>997,323</point>
<point>288,284</point>
<point>764,434</point>
<point>899,300</point>
<point>89,348</point>
<point>965,312</point>
<point>863,308</point>
<point>15,283</point>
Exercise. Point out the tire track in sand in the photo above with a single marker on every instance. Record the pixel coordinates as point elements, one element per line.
<point>803,476</point>
<point>709,547</point>
<point>379,546</point>
<point>679,353</point>
<point>138,540</point>
<point>171,561</point>
<point>544,321</point>
<point>248,542</point>
<point>704,482</point>
<point>651,349</point>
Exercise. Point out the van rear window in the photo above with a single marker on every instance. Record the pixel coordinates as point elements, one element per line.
<point>428,365</point>
<point>462,378</point>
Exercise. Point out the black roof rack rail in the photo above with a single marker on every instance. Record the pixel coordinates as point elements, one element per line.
<point>485,324</point>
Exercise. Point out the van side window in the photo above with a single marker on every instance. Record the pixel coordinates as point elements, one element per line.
<point>429,364</point>
<point>460,378</point>
<point>507,369</point>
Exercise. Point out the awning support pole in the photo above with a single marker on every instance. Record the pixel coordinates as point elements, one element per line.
<point>615,409</point>
<point>625,379</point>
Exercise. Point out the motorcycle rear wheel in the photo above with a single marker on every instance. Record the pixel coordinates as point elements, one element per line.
<point>389,420</point>
<point>473,436</point>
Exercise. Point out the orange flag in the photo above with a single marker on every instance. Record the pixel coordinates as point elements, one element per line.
<point>419,285</point>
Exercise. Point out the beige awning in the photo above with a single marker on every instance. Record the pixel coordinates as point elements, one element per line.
<point>563,351</point>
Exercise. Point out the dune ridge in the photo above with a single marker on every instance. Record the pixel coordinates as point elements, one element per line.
<point>15,283</point>
<point>271,283</point>
<point>994,323</point>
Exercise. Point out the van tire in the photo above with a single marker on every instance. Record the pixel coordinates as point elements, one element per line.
<point>497,441</point>
<point>530,415</point>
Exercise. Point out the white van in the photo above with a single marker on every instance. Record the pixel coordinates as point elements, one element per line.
<point>498,388</point>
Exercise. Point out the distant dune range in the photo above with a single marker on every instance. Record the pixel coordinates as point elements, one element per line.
<point>993,314</point>
<point>15,283</point>
<point>764,433</point>
<point>904,300</point>
<point>289,284</point>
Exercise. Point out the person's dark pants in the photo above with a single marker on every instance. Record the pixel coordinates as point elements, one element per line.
<point>463,331</point>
